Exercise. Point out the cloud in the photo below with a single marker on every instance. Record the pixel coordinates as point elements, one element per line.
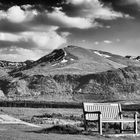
<point>88,12</point>
<point>94,9</point>
<point>107,41</point>
<point>45,40</point>
<point>9,37</point>
<point>59,18</point>
<point>42,40</point>
<point>129,2</point>
<point>34,32</point>
<point>78,2</point>
<point>16,14</point>
<point>96,43</point>
<point>20,44</point>
<point>31,17</point>
<point>26,7</point>
<point>108,27</point>
<point>19,54</point>
<point>65,34</point>
<point>10,27</point>
<point>17,30</point>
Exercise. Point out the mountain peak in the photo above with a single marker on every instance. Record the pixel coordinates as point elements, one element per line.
<point>55,55</point>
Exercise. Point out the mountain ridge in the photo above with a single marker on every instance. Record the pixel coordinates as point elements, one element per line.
<point>74,74</point>
<point>71,58</point>
<point>60,54</point>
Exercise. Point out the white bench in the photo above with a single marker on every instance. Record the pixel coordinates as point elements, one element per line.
<point>106,113</point>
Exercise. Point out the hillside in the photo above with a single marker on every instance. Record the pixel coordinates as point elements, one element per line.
<point>74,74</point>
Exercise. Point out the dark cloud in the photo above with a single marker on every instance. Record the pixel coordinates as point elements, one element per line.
<point>7,26</point>
<point>130,7</point>
<point>37,3</point>
<point>71,10</point>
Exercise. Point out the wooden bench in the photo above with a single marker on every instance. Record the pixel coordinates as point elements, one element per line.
<point>106,113</point>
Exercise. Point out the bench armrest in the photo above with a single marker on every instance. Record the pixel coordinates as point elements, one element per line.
<point>122,112</point>
<point>134,112</point>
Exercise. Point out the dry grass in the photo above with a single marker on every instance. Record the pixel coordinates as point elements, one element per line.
<point>53,131</point>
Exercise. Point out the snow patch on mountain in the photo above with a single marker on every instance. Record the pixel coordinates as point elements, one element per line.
<point>64,61</point>
<point>54,64</point>
<point>103,55</point>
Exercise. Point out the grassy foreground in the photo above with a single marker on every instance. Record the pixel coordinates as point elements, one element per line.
<point>51,120</point>
<point>10,132</point>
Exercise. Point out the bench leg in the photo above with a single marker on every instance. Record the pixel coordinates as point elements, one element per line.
<point>121,127</point>
<point>85,125</point>
<point>135,127</point>
<point>100,128</point>
<point>100,125</point>
<point>135,124</point>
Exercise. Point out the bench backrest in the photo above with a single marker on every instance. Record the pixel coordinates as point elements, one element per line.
<point>109,111</point>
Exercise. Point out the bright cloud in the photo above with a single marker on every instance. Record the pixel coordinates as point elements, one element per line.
<point>42,40</point>
<point>107,41</point>
<point>17,15</point>
<point>78,2</point>
<point>9,37</point>
<point>20,54</point>
<point>60,18</point>
<point>96,43</point>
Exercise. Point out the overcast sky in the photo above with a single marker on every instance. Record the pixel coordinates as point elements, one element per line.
<point>31,29</point>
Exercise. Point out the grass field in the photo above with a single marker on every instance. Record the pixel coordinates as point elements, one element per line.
<point>48,118</point>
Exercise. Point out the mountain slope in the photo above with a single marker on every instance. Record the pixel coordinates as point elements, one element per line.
<point>74,74</point>
<point>118,59</point>
<point>72,59</point>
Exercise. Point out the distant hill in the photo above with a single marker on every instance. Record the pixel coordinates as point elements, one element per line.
<point>13,65</point>
<point>74,74</point>
<point>136,58</point>
<point>119,59</point>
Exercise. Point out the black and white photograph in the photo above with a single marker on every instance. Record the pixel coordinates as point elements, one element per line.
<point>69,69</point>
